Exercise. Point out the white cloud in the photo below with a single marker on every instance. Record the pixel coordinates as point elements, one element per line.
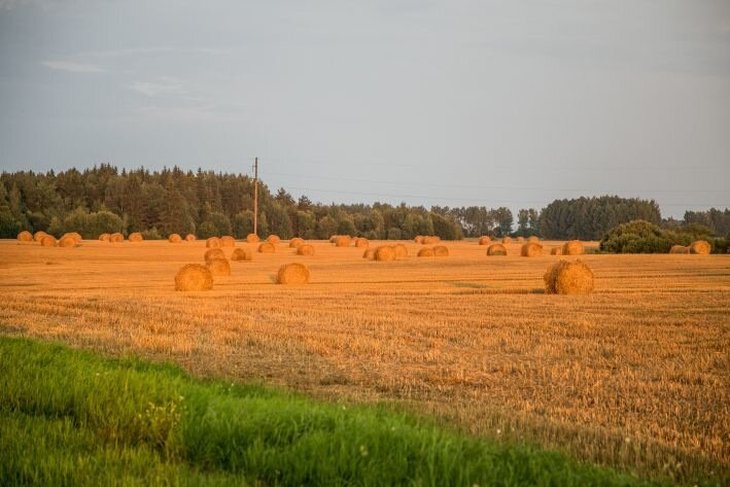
<point>162,86</point>
<point>72,67</point>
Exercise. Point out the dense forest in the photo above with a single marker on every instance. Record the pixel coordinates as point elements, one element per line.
<point>157,203</point>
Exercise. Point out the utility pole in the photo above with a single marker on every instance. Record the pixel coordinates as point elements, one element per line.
<point>256,196</point>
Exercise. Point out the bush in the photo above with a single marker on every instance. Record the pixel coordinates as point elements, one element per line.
<point>152,234</point>
<point>642,237</point>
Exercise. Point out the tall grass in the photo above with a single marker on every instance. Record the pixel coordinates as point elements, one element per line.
<point>71,418</point>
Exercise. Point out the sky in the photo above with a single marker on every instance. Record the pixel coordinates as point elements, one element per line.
<point>450,103</point>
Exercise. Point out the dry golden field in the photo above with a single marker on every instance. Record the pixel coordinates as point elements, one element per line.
<point>635,375</point>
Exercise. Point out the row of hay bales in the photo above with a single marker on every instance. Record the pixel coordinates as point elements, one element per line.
<point>71,239</point>
<point>427,239</point>
<point>487,240</point>
<point>349,241</point>
<point>701,247</point>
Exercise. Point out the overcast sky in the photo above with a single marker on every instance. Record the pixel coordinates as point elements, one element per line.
<point>497,103</point>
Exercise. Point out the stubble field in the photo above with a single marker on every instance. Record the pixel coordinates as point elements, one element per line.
<point>635,375</point>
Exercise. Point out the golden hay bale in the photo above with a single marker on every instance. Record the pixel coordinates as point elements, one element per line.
<point>418,239</point>
<point>305,249</point>
<point>67,241</point>
<point>228,241</point>
<point>496,249</point>
<point>135,237</point>
<point>507,240</point>
<point>369,254</point>
<point>333,238</point>
<point>48,241</point>
<point>485,240</point>
<point>384,253</point>
<point>274,239</point>
<point>74,235</point>
<point>295,242</point>
<point>25,236</point>
<point>679,249</point>
<point>211,254</point>
<point>573,247</point>
<point>293,273</point>
<point>531,249</point>
<point>193,277</point>
<point>213,243</point>
<point>430,240</point>
<point>190,237</point>
<point>116,237</point>
<point>267,248</point>
<point>700,247</point>
<point>425,252</point>
<point>174,238</point>
<point>520,239</point>
<point>361,242</point>
<point>38,236</point>
<point>440,251</point>
<point>401,251</point>
<point>105,237</point>
<point>242,254</point>
<point>533,238</point>
<point>556,250</point>
<point>568,278</point>
<point>252,238</point>
<point>343,241</point>
<point>219,267</point>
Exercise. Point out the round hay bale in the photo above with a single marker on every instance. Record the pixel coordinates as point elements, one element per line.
<point>507,240</point>
<point>556,251</point>
<point>211,254</point>
<point>573,247</point>
<point>25,236</point>
<point>533,238</point>
<point>702,247</point>
<point>333,238</point>
<point>440,251</point>
<point>105,237</point>
<point>219,267</point>
<point>401,251</point>
<point>274,239</point>
<point>252,238</point>
<point>67,241</point>
<point>305,249</point>
<point>38,236</point>
<point>193,277</point>
<point>430,240</point>
<point>242,254</point>
<point>267,248</point>
<point>228,241</point>
<point>293,273</point>
<point>295,242</point>
<point>384,253</point>
<point>531,249</point>
<point>425,252</point>
<point>48,241</point>
<point>116,237</point>
<point>496,249</point>
<point>485,240</point>
<point>190,237</point>
<point>418,239</point>
<point>361,243</point>
<point>343,241</point>
<point>135,237</point>
<point>174,238</point>
<point>74,235</point>
<point>679,249</point>
<point>213,243</point>
<point>369,254</point>
<point>520,239</point>
<point>568,278</point>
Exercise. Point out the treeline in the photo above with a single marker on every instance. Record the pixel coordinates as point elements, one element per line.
<point>206,203</point>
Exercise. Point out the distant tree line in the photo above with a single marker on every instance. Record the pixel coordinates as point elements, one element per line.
<point>157,203</point>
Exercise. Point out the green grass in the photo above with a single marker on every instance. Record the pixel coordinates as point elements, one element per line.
<point>72,418</point>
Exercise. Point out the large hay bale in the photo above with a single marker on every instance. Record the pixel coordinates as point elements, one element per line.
<point>213,243</point>
<point>228,241</point>
<point>174,238</point>
<point>361,242</point>
<point>252,238</point>
<point>343,241</point>
<point>74,235</point>
<point>211,254</point>
<point>702,247</point>
<point>401,251</point>
<point>573,247</point>
<point>67,241</point>
<point>38,236</point>
<point>384,253</point>
<point>193,277</point>
<point>533,238</point>
<point>135,237</point>
<point>430,240</point>
<point>25,236</point>
<point>295,242</point>
<point>440,251</point>
<point>496,249</point>
<point>116,237</point>
<point>305,249</point>
<point>274,239</point>
<point>507,240</point>
<point>105,237</point>
<point>679,249</point>
<point>267,248</point>
<point>219,267</point>
<point>190,237</point>
<point>556,250</point>
<point>369,254</point>
<point>568,278</point>
<point>294,273</point>
<point>531,249</point>
<point>48,241</point>
<point>485,240</point>
<point>425,252</point>
<point>242,254</point>
<point>418,239</point>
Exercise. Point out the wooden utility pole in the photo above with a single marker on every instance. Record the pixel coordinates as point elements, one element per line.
<point>256,196</point>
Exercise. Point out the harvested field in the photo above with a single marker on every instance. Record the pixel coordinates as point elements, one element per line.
<point>634,375</point>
